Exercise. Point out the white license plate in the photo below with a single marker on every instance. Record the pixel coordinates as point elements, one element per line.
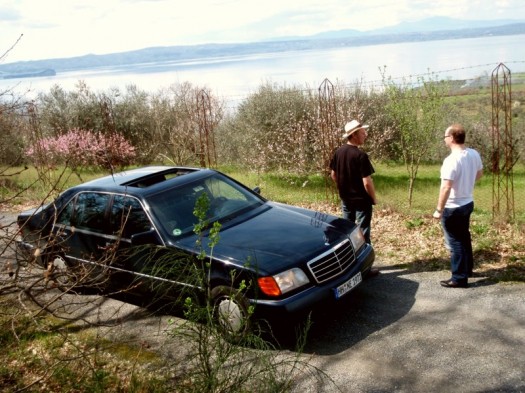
<point>348,285</point>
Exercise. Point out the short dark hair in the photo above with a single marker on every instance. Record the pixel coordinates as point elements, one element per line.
<point>457,132</point>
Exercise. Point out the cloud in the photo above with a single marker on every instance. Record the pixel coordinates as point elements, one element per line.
<point>9,14</point>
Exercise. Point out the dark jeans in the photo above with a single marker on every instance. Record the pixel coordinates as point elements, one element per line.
<point>361,216</point>
<point>456,228</point>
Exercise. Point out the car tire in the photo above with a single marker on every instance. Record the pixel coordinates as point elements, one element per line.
<point>231,312</point>
<point>61,273</point>
<point>22,257</point>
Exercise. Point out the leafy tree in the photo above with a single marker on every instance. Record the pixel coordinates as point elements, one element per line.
<point>186,126</point>
<point>56,115</point>
<point>11,123</point>
<point>357,101</point>
<point>274,128</point>
<point>132,116</point>
<point>11,142</point>
<point>417,113</point>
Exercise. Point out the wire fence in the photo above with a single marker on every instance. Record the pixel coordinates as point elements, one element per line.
<point>488,202</point>
<point>231,102</point>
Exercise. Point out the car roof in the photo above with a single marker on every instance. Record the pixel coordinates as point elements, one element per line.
<point>139,180</point>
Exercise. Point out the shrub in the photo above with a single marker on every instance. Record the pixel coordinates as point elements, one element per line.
<point>81,148</point>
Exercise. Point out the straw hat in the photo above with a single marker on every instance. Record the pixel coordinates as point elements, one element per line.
<point>353,126</point>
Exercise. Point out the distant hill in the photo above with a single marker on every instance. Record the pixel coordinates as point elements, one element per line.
<point>434,24</point>
<point>437,28</point>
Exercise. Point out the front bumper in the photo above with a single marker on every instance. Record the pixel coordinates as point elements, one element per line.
<point>305,301</point>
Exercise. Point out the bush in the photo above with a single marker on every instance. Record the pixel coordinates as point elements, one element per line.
<point>80,148</point>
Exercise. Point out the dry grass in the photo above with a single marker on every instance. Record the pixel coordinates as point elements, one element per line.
<point>417,244</point>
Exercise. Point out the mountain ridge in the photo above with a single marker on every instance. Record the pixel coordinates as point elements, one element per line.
<point>435,23</point>
<point>438,28</point>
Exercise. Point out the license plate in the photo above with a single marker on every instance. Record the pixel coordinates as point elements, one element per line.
<point>348,285</point>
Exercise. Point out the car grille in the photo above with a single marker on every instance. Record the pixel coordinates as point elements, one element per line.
<point>332,263</point>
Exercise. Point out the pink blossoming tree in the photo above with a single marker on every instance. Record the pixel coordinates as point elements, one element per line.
<point>81,148</point>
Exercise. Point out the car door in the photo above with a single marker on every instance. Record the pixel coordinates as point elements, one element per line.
<point>145,265</point>
<point>127,218</point>
<point>80,236</point>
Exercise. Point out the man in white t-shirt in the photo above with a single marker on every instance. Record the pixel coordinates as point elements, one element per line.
<point>459,172</point>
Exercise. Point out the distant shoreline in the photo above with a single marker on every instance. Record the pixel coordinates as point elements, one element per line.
<point>182,53</point>
<point>46,72</point>
<point>234,77</point>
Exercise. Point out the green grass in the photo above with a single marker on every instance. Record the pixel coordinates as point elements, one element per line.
<point>391,182</point>
<point>494,238</point>
<point>22,186</point>
<point>81,361</point>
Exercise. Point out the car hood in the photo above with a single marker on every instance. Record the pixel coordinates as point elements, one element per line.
<point>277,237</point>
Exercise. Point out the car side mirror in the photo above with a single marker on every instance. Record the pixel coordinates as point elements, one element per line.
<point>257,190</point>
<point>143,238</point>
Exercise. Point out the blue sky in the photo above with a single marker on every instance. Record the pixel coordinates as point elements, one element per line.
<point>66,28</point>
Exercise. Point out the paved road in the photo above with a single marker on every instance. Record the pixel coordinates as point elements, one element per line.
<point>398,332</point>
<point>403,332</point>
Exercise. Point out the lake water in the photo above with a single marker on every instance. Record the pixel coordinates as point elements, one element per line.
<point>233,78</point>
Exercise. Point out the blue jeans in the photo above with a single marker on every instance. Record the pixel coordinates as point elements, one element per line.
<point>361,216</point>
<point>456,228</point>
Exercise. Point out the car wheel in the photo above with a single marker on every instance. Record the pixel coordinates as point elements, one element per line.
<point>231,311</point>
<point>76,277</point>
<point>22,255</point>
<point>62,273</point>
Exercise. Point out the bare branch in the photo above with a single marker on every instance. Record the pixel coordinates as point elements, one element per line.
<point>4,55</point>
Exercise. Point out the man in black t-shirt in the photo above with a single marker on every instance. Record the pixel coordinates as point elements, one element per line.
<point>352,171</point>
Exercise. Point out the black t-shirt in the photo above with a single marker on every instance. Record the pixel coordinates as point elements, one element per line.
<point>351,165</point>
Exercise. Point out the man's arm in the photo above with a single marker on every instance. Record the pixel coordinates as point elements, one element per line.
<point>479,174</point>
<point>444,192</point>
<point>370,189</point>
<point>333,175</point>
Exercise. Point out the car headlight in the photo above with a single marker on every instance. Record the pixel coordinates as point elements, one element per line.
<point>283,282</point>
<point>357,238</point>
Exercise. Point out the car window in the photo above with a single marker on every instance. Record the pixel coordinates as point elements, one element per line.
<point>227,198</point>
<point>174,207</point>
<point>90,210</point>
<point>66,213</point>
<point>220,189</point>
<point>128,215</point>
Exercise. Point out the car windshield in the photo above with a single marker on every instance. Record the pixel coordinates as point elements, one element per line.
<point>174,208</point>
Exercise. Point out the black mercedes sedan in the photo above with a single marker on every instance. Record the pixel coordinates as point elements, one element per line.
<point>161,231</point>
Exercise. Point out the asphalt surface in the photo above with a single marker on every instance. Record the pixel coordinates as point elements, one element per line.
<point>397,332</point>
<point>403,332</point>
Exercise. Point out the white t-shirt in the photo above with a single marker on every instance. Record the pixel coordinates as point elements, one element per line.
<point>461,166</point>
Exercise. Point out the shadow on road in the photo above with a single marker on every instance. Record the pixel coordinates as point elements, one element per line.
<point>377,303</point>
